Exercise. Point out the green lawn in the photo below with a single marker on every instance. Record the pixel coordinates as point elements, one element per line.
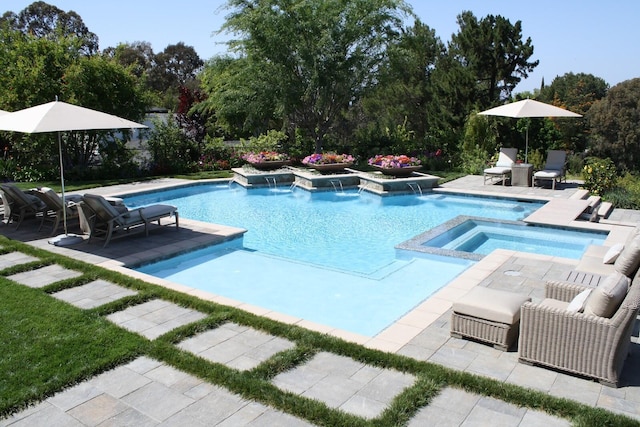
<point>47,345</point>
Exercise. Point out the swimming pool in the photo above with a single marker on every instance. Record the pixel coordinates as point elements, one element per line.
<point>327,257</point>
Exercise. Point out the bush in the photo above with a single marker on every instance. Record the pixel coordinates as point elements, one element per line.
<point>475,161</point>
<point>171,150</point>
<point>600,175</point>
<point>626,194</point>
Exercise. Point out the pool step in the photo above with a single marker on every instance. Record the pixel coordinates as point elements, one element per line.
<point>605,209</point>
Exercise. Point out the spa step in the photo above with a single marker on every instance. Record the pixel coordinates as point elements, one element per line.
<point>580,194</point>
<point>605,209</point>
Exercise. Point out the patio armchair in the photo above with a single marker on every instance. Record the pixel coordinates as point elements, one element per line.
<point>554,168</point>
<point>587,342</point>
<point>502,168</point>
<point>20,205</point>
<point>55,212</point>
<point>107,221</point>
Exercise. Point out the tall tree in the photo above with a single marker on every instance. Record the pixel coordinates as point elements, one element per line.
<point>319,55</point>
<point>493,50</point>
<point>137,56</point>
<point>43,20</point>
<point>177,65</point>
<point>576,92</point>
<point>614,125</point>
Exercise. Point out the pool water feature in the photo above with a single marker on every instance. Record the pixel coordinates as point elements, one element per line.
<point>327,257</point>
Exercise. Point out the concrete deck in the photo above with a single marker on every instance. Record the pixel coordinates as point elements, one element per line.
<point>152,393</point>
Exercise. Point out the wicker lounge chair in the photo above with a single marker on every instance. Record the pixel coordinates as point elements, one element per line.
<point>554,168</point>
<point>502,168</point>
<point>106,221</point>
<point>578,342</point>
<point>21,205</point>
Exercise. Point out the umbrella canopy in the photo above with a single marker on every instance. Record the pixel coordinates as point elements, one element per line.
<point>528,108</point>
<point>58,117</point>
<point>2,112</point>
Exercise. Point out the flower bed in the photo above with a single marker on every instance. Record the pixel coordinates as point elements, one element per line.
<point>328,162</point>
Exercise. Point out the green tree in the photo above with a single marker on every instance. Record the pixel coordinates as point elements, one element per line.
<point>575,92</point>
<point>613,120</point>
<point>404,93</point>
<point>319,56</point>
<point>493,50</point>
<point>177,65</point>
<point>43,20</point>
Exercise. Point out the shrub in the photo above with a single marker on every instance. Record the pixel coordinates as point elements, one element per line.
<point>626,194</point>
<point>475,161</point>
<point>599,175</point>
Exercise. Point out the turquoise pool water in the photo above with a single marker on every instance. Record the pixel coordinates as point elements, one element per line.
<point>325,257</point>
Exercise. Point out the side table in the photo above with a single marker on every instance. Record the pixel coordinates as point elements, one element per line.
<point>521,174</point>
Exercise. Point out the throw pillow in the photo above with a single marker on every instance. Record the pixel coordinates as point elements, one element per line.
<point>613,253</point>
<point>577,303</point>
<point>607,297</point>
<point>629,259</point>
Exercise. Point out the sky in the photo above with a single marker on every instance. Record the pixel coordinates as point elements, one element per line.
<point>588,36</point>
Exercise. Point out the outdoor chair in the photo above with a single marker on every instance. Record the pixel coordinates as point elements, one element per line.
<point>582,330</point>
<point>55,212</point>
<point>502,168</point>
<point>21,205</point>
<point>554,168</point>
<point>107,221</point>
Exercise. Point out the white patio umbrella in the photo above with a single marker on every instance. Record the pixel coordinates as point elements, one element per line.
<point>528,108</point>
<point>2,112</point>
<point>59,117</point>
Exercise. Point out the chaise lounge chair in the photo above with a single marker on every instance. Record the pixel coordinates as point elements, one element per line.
<point>502,168</point>
<point>20,204</point>
<point>554,168</point>
<point>56,208</point>
<point>106,221</point>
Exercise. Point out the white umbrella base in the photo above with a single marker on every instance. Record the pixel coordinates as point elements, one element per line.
<point>66,240</point>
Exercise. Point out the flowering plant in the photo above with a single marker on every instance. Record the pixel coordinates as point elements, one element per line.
<point>390,161</point>
<point>265,156</point>
<point>327,158</point>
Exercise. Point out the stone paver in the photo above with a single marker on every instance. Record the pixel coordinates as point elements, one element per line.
<point>44,276</point>
<point>343,383</point>
<point>137,395</point>
<point>154,318</point>
<point>93,294</point>
<point>15,258</point>
<point>235,346</point>
<point>454,407</point>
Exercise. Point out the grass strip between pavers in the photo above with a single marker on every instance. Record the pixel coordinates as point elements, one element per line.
<point>62,345</point>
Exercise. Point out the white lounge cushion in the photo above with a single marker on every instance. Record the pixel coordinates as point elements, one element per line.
<point>607,297</point>
<point>548,174</point>
<point>613,253</point>
<point>498,170</point>
<point>491,304</point>
<point>577,303</point>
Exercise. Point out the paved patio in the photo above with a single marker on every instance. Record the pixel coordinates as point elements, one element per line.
<point>147,392</point>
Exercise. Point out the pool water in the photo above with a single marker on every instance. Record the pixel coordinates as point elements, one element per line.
<point>325,257</point>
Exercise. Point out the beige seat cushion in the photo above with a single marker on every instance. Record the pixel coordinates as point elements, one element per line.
<point>629,259</point>
<point>607,297</point>
<point>555,303</point>
<point>491,304</point>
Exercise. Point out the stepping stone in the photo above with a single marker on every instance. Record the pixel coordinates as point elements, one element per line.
<point>146,392</point>
<point>93,294</point>
<point>154,318</point>
<point>44,276</point>
<point>343,383</point>
<point>15,258</point>
<point>235,346</point>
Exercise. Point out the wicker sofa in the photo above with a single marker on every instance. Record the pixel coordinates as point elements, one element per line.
<point>577,342</point>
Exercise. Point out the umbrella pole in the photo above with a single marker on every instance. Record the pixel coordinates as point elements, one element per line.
<point>526,145</point>
<point>64,202</point>
<point>65,239</point>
